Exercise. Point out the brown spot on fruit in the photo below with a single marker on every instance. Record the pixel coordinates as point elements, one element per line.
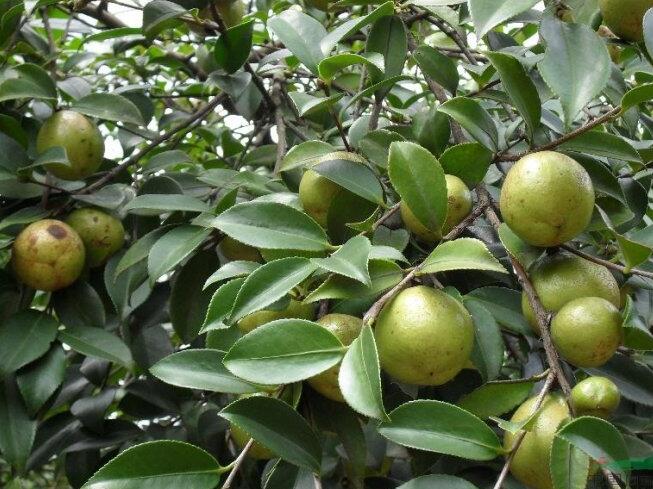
<point>57,231</point>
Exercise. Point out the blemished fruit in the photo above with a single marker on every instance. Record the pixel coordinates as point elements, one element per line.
<point>625,17</point>
<point>587,331</point>
<point>235,250</point>
<point>316,193</point>
<point>346,328</point>
<point>424,336</point>
<point>459,205</point>
<point>256,451</point>
<point>547,198</point>
<point>563,277</point>
<point>48,255</point>
<point>79,136</point>
<point>595,396</point>
<point>530,465</point>
<point>295,309</point>
<point>102,234</point>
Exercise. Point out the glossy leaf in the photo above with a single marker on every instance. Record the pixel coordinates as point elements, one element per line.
<point>495,399</point>
<point>110,107</point>
<point>487,15</point>
<point>221,305</point>
<point>474,119</point>
<point>97,342</point>
<point>437,66</point>
<point>172,248</point>
<point>461,254</point>
<point>351,260</point>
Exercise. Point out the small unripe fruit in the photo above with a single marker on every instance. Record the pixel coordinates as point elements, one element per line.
<point>316,193</point>
<point>587,331</point>
<point>102,234</point>
<point>48,255</point>
<point>295,309</point>
<point>625,17</point>
<point>81,139</point>
<point>235,250</point>
<point>547,198</point>
<point>346,328</point>
<point>595,396</point>
<point>424,336</point>
<point>256,451</point>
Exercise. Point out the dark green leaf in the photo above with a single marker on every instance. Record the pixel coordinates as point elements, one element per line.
<point>172,248</point>
<point>27,81</point>
<point>346,170</point>
<point>437,66</point>
<point>351,260</point>
<point>232,48</point>
<point>97,342</point>
<point>467,161</point>
<point>474,119</point>
<point>17,430</point>
<point>38,381</point>
<point>109,106</point>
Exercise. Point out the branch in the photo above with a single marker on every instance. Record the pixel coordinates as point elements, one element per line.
<point>609,264</point>
<point>282,143</point>
<point>237,463</point>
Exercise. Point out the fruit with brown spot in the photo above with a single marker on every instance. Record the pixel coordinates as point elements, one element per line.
<point>103,235</point>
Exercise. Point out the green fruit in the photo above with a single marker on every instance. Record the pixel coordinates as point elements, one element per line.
<point>256,451</point>
<point>459,205</point>
<point>235,250</point>
<point>595,396</point>
<point>424,336</point>
<point>316,193</point>
<point>625,17</point>
<point>562,277</point>
<point>81,139</point>
<point>295,309</point>
<point>48,255</point>
<point>530,465</point>
<point>547,198</point>
<point>102,234</point>
<point>346,328</point>
<point>587,331</point>
<point>231,11</point>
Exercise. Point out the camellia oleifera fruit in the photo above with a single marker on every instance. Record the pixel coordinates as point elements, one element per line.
<point>563,277</point>
<point>625,17</point>
<point>235,250</point>
<point>346,328</point>
<point>256,451</point>
<point>531,461</point>
<point>587,331</point>
<point>595,396</point>
<point>102,234</point>
<point>459,205</point>
<point>296,310</point>
<point>48,255</point>
<point>547,198</point>
<point>424,336</point>
<point>81,139</point>
<point>231,12</point>
<point>316,193</point>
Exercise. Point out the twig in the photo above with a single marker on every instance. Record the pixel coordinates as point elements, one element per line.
<point>376,112</point>
<point>610,479</point>
<point>237,463</point>
<point>387,215</point>
<point>608,264</point>
<point>282,143</point>
<point>318,481</point>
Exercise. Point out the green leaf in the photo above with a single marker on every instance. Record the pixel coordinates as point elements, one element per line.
<point>110,107</point>
<point>351,260</point>
<point>388,37</point>
<point>576,64</point>
<point>474,119</point>
<point>278,427</point>
<point>419,180</point>
<point>140,249</point>
<point>24,337</point>
<point>38,381</point>
<point>467,161</point>
<point>27,81</point>
<point>431,129</point>
<point>437,481</point>
<point>305,154</point>
<point>637,95</point>
<point>505,305</point>
<point>437,66</point>
<point>25,215</point>
<point>487,354</point>
<point>284,351</point>
<point>352,26</point>
<point>17,430</point>
<point>520,250</point>
<point>461,254</point>
<point>232,269</point>
<point>232,48</point>
<point>636,334</point>
<point>495,399</point>
<point>270,225</point>
<point>158,464</point>
<point>159,15</point>
<point>79,305</point>
<point>221,305</point>
<point>306,104</point>
<point>347,170</point>
<point>601,143</point>
<point>165,203</point>
<point>199,369</point>
<point>98,343</point>
<point>439,427</point>
<point>376,145</point>
<point>487,15</point>
<point>301,34</point>
<point>166,159</point>
<point>635,381</point>
<point>173,247</point>
<point>117,33</point>
<point>328,67</point>
<point>569,465</point>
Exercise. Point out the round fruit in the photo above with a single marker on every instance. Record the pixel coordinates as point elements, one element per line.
<point>101,233</point>
<point>414,225</point>
<point>547,198</point>
<point>346,328</point>
<point>530,465</point>
<point>562,277</point>
<point>81,139</point>
<point>48,255</point>
<point>256,451</point>
<point>424,336</point>
<point>595,396</point>
<point>316,193</point>
<point>625,17</point>
<point>235,250</point>
<point>587,331</point>
<point>295,309</point>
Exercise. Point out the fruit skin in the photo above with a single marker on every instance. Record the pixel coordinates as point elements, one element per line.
<point>102,234</point>
<point>530,464</point>
<point>48,255</point>
<point>459,205</point>
<point>231,12</point>
<point>563,277</point>
<point>625,17</point>
<point>424,336</point>
<point>547,198</point>
<point>79,136</point>
<point>295,309</point>
<point>587,331</point>
<point>316,193</point>
<point>256,451</point>
<point>235,250</point>
<point>595,396</point>
<point>346,328</point>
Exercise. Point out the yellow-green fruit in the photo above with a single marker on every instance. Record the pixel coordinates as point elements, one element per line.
<point>316,193</point>
<point>421,232</point>
<point>80,138</point>
<point>562,277</point>
<point>625,17</point>
<point>530,465</point>
<point>346,328</point>
<point>595,396</point>
<point>587,331</point>
<point>295,309</point>
<point>547,198</point>
<point>256,451</point>
<point>424,336</point>
<point>101,233</point>
<point>235,250</point>
<point>48,255</point>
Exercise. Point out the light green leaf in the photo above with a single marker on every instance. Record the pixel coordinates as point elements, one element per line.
<point>474,119</point>
<point>437,66</point>
<point>351,260</point>
<point>27,81</point>
<point>110,107</point>
<point>488,351</point>
<point>232,269</point>
<point>140,249</point>
<point>164,203</point>
<point>495,398</point>
<point>307,104</point>
<point>569,465</point>
<point>601,143</point>
<point>467,161</point>
<point>301,34</point>
<point>221,305</point>
<point>173,247</point>
<point>437,481</point>
<point>159,15</point>
<point>520,250</point>
<point>352,26</point>
<point>304,154</point>
<point>461,254</point>
<point>487,14</point>
<point>328,67</point>
<point>348,171</point>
